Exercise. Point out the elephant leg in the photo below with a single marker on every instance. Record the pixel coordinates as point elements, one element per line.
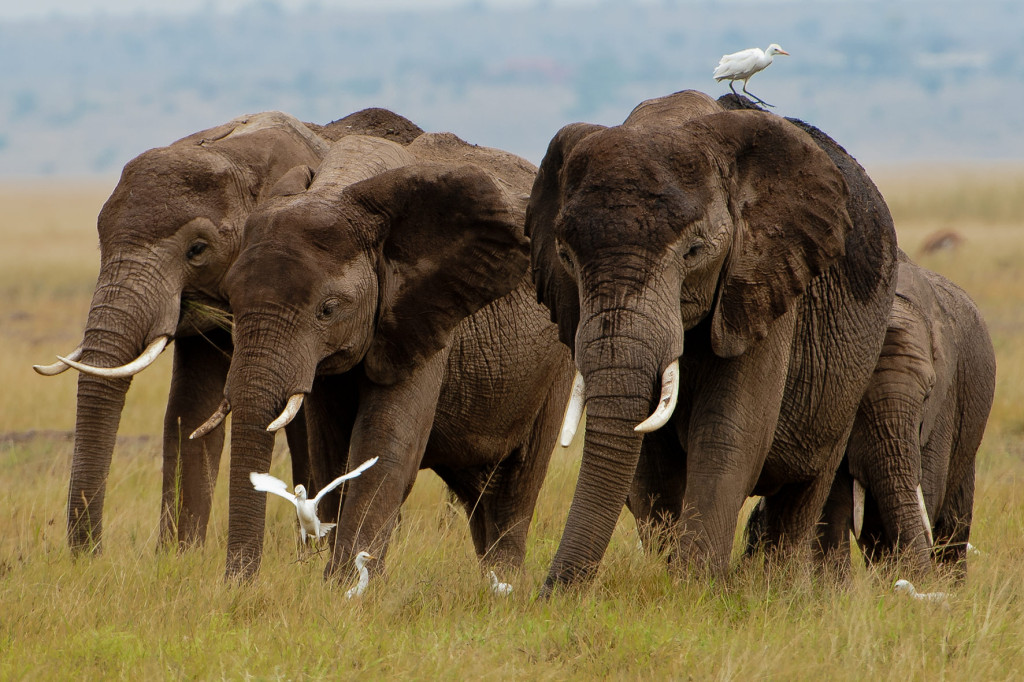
<point>330,411</point>
<point>393,423</point>
<point>656,496</point>
<point>190,466</point>
<point>831,546</point>
<point>732,423</point>
<point>955,509</point>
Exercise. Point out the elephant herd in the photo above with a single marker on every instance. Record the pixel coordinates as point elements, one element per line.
<point>717,287</point>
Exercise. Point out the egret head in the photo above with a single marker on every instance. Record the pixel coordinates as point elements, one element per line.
<point>774,49</point>
<point>300,491</point>
<point>362,558</point>
<point>903,586</point>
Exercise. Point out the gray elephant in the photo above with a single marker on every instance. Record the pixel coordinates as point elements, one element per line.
<point>388,290</point>
<point>724,280</point>
<point>907,483</point>
<point>168,233</point>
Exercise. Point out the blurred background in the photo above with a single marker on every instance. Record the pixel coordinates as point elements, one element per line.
<point>88,85</point>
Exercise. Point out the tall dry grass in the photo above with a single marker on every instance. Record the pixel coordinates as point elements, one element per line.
<point>136,612</point>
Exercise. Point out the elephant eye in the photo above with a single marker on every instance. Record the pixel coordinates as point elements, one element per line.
<point>328,309</point>
<point>195,250</point>
<point>694,251</point>
<point>563,255</point>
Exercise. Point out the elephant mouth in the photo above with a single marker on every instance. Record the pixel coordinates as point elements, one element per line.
<point>662,413</point>
<point>291,409</point>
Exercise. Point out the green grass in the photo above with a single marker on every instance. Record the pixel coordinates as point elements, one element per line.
<point>134,612</point>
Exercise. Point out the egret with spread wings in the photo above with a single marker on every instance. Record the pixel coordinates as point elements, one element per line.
<point>309,522</point>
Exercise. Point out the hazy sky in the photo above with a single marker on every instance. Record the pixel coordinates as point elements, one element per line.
<point>22,9</point>
<point>29,9</point>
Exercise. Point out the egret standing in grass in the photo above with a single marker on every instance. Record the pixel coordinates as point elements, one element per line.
<point>309,522</point>
<point>364,575</point>
<point>740,66</point>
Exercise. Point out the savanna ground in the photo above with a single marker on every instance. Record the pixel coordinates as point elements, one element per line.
<point>134,612</point>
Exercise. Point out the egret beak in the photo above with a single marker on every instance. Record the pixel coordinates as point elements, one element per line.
<point>783,52</point>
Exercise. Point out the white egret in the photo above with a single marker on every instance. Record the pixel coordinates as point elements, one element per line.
<point>740,66</point>
<point>309,522</point>
<point>364,575</point>
<point>906,587</point>
<point>499,588</point>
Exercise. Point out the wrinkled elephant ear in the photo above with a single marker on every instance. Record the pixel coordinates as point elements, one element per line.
<point>789,206</point>
<point>295,181</point>
<point>450,242</point>
<point>555,287</point>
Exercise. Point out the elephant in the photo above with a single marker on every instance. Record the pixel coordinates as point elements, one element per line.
<point>168,233</point>
<point>387,291</point>
<point>906,486</point>
<point>723,278</point>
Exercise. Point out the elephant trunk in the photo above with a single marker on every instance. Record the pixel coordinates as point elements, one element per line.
<point>265,372</point>
<point>120,324</point>
<point>623,372</point>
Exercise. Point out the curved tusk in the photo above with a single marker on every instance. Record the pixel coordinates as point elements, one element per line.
<point>667,404</point>
<point>290,410</point>
<point>59,366</point>
<point>214,421</point>
<point>924,516</point>
<point>132,368</point>
<point>573,411</point>
<point>858,508</point>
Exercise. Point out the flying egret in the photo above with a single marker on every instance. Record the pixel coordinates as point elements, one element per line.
<point>309,522</point>
<point>740,66</point>
<point>499,588</point>
<point>364,575</point>
<point>906,587</point>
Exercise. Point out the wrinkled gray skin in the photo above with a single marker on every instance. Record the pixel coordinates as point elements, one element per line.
<point>390,287</point>
<point>168,233</point>
<point>731,241</point>
<point>920,422</point>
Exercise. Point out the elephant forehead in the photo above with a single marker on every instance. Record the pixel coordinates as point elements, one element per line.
<point>163,189</point>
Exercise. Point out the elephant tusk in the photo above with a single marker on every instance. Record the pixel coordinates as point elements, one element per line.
<point>132,368</point>
<point>924,516</point>
<point>59,366</point>
<point>214,421</point>
<point>288,414</point>
<point>667,403</point>
<point>858,508</point>
<point>573,411</point>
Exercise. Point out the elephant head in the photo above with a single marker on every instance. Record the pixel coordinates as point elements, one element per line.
<point>685,220</point>
<point>366,265</point>
<point>168,233</point>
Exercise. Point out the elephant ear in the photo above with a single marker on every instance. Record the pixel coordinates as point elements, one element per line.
<point>788,202</point>
<point>295,181</point>
<point>555,287</point>
<point>450,242</point>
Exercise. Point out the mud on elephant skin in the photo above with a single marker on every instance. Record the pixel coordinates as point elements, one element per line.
<point>730,273</point>
<point>389,289</point>
<point>906,486</point>
<point>168,233</point>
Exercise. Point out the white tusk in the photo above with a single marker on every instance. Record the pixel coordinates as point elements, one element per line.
<point>858,508</point>
<point>924,516</point>
<point>288,414</point>
<point>214,421</point>
<point>667,404</point>
<point>573,411</point>
<point>132,368</point>
<point>58,367</point>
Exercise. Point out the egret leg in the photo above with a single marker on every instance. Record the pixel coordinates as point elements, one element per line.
<point>732,86</point>
<point>755,97</point>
